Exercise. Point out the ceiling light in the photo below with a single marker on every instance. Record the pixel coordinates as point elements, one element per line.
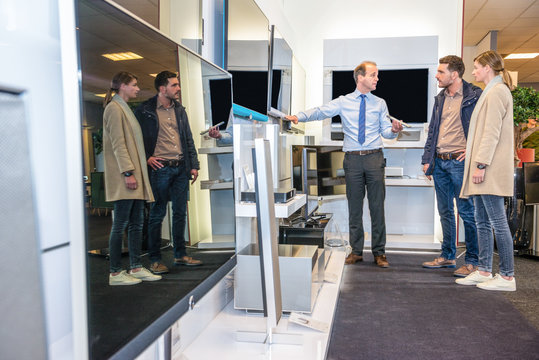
<point>122,56</point>
<point>100,95</point>
<point>153,75</point>
<point>521,56</point>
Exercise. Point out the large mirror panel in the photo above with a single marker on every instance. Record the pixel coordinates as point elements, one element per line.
<point>123,320</point>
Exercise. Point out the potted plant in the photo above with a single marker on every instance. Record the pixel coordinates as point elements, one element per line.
<point>525,114</point>
<point>97,139</point>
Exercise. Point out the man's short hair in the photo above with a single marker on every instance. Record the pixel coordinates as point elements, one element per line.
<point>162,78</point>
<point>361,69</point>
<point>454,63</point>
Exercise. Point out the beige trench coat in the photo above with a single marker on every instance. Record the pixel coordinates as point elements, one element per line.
<point>123,149</point>
<point>490,141</point>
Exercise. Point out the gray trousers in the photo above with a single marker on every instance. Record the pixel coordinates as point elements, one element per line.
<point>366,172</point>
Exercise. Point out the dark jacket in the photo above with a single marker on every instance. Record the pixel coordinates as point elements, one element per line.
<point>470,95</point>
<point>146,114</point>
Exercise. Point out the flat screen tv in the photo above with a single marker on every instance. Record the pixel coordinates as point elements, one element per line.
<point>250,89</point>
<point>220,100</point>
<point>405,92</point>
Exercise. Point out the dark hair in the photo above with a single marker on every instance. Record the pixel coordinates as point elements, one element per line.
<point>495,61</point>
<point>454,63</point>
<point>362,68</point>
<point>162,78</point>
<point>123,77</point>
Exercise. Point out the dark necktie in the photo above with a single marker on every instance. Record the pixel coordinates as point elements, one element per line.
<point>361,127</point>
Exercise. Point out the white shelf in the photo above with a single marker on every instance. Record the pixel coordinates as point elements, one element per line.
<point>409,182</point>
<point>216,150</point>
<point>216,186</point>
<point>218,339</point>
<point>217,242</point>
<point>245,209</point>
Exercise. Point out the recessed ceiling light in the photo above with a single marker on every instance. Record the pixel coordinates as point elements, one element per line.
<point>153,75</point>
<point>521,56</point>
<point>100,95</point>
<point>122,56</point>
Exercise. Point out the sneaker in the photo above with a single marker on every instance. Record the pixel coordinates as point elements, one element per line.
<point>499,283</point>
<point>188,261</point>
<point>158,268</point>
<point>439,262</point>
<point>473,279</point>
<point>123,278</point>
<point>144,275</point>
<point>464,270</point>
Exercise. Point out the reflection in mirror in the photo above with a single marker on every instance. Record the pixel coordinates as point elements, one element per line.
<point>188,30</point>
<point>206,94</point>
<point>120,316</point>
<point>248,48</point>
<point>147,10</point>
<point>281,84</point>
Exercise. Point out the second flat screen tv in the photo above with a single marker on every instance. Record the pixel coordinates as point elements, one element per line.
<point>405,92</point>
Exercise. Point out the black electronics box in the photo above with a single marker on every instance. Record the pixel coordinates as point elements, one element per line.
<point>281,195</point>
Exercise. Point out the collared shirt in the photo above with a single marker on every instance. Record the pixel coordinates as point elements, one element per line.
<point>451,137</point>
<point>376,123</point>
<point>168,144</point>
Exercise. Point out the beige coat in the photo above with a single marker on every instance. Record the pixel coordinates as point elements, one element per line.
<point>490,141</point>
<point>124,151</point>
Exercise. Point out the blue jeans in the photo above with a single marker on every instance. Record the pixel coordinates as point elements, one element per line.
<point>490,215</point>
<point>168,184</point>
<point>127,214</point>
<point>448,176</point>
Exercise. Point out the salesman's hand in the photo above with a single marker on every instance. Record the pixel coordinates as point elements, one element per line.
<point>292,118</point>
<point>396,126</point>
<point>194,174</point>
<point>425,168</point>
<point>214,133</point>
<point>130,182</point>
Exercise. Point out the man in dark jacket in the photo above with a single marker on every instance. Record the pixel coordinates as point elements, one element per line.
<point>443,158</point>
<point>172,160</point>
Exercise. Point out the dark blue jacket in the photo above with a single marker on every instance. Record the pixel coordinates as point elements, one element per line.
<point>146,114</point>
<point>470,95</point>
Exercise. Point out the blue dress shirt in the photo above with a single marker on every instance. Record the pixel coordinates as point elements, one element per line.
<point>377,122</point>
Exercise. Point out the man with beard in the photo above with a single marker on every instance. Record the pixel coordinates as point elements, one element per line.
<point>443,159</point>
<point>172,160</point>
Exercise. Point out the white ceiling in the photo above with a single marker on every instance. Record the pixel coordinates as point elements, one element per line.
<point>517,22</point>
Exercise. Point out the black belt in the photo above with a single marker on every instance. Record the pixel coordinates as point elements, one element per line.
<point>364,152</point>
<point>172,163</point>
<point>448,156</point>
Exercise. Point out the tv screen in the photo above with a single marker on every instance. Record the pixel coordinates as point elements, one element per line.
<point>405,92</point>
<point>221,100</point>
<point>250,89</point>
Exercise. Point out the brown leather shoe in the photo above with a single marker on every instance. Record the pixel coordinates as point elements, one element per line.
<point>352,259</point>
<point>381,261</point>
<point>187,260</point>
<point>158,268</point>
<point>465,270</point>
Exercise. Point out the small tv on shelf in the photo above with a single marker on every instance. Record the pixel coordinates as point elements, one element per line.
<point>404,90</point>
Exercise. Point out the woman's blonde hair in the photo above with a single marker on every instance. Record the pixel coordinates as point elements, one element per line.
<point>123,77</point>
<point>495,61</point>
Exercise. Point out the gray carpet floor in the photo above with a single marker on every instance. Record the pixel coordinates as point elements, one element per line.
<point>408,312</point>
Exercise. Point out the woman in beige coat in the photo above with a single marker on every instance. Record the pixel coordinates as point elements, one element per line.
<point>488,172</point>
<point>126,179</point>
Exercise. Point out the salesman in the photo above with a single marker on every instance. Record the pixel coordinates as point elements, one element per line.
<point>364,118</point>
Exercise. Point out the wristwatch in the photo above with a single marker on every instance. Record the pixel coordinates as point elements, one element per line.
<point>481,166</point>
<point>128,173</point>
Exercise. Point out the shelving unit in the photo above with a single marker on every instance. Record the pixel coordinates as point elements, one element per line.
<point>245,209</point>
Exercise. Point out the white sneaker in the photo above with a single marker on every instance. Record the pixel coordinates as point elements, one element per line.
<point>499,283</point>
<point>144,275</point>
<point>474,279</point>
<point>123,278</point>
